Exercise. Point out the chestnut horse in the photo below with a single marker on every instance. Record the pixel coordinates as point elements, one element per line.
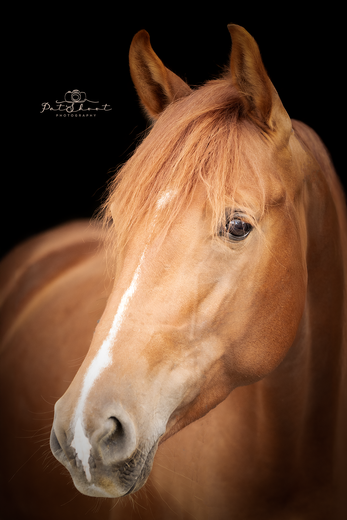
<point>222,312</point>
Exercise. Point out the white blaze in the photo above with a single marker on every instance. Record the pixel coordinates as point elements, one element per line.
<point>103,359</point>
<point>82,446</point>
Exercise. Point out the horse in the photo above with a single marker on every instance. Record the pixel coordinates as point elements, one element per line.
<point>212,293</point>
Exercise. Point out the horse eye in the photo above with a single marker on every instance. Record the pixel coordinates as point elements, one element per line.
<point>236,229</point>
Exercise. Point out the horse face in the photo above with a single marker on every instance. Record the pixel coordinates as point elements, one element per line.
<point>191,316</point>
<point>188,320</point>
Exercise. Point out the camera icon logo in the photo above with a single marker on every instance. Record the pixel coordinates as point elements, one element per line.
<point>75,96</point>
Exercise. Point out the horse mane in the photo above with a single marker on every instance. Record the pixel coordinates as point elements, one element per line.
<point>205,137</point>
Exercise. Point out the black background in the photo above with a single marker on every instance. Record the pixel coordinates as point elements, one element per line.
<point>58,167</point>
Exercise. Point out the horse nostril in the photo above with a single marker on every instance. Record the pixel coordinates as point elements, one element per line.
<point>114,441</point>
<point>117,426</point>
<point>114,431</point>
<point>54,443</point>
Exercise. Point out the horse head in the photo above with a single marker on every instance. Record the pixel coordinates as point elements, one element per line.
<point>206,230</point>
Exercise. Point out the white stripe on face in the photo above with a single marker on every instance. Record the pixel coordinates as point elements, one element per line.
<point>82,447</point>
<point>103,358</point>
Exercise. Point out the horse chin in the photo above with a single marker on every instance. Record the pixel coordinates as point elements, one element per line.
<point>92,490</point>
<point>113,483</point>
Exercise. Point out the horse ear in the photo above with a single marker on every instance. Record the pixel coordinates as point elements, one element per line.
<point>250,78</point>
<point>156,85</point>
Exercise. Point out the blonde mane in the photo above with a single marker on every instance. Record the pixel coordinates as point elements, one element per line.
<point>206,137</point>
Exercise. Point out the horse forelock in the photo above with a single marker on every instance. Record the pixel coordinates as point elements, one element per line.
<point>205,138</point>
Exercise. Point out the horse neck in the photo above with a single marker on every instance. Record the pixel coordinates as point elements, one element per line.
<point>300,407</point>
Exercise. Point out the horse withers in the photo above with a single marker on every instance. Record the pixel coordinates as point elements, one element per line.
<point>215,383</point>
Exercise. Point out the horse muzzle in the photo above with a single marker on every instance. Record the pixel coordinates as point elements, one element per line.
<point>104,460</point>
